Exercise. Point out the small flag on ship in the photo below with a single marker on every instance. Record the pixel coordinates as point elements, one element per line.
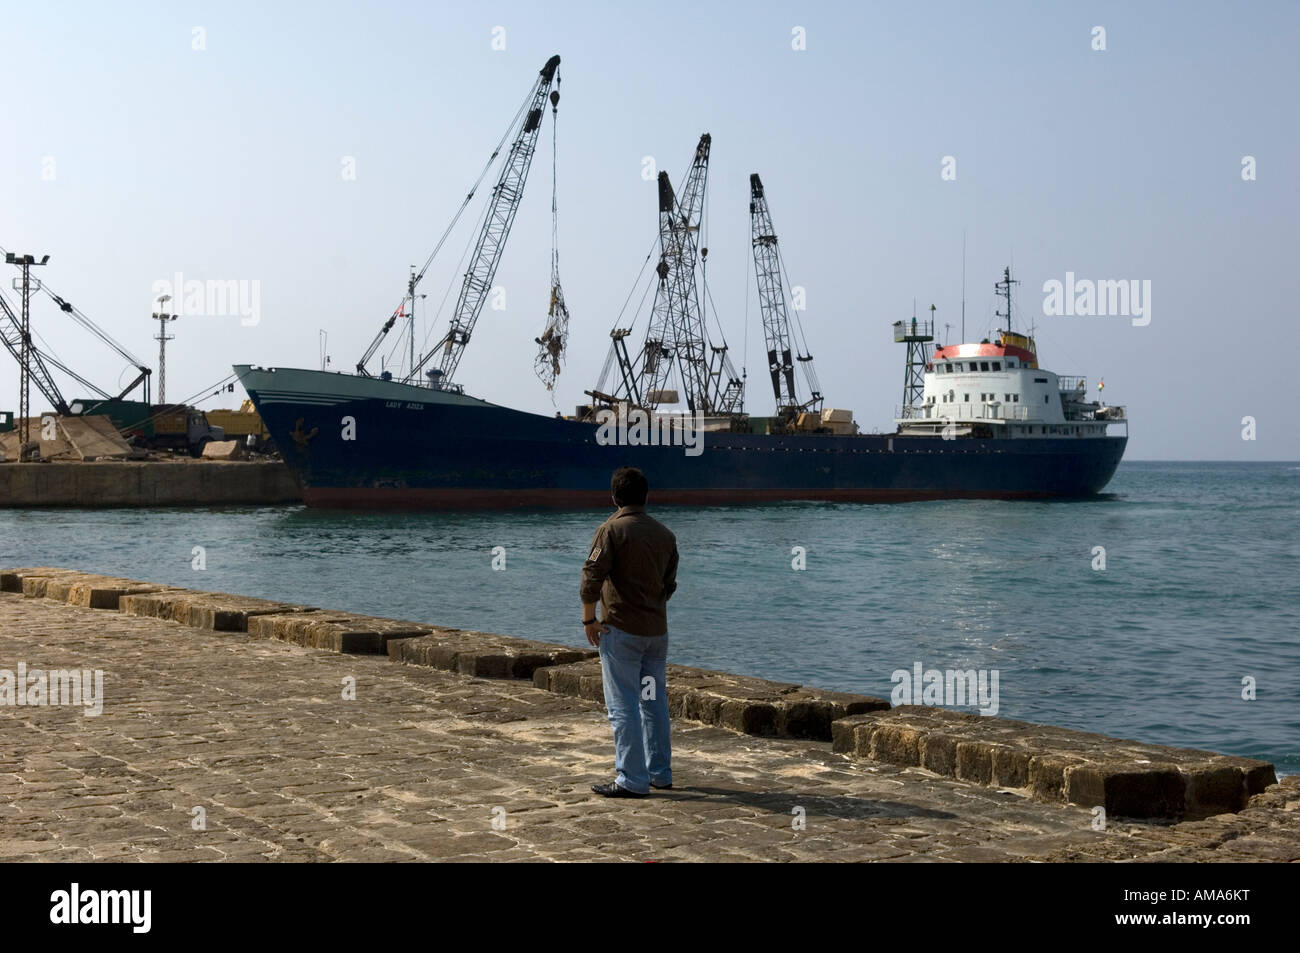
<point>1100,384</point>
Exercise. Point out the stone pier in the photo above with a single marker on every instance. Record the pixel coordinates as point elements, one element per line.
<point>243,729</point>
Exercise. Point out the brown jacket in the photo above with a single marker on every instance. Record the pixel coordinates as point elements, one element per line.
<point>632,570</point>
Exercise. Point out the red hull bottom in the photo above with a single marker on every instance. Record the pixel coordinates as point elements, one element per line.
<point>453,499</point>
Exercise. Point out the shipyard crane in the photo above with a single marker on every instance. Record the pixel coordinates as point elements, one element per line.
<point>502,206</point>
<point>676,334</point>
<point>39,362</point>
<point>676,328</point>
<point>769,271</point>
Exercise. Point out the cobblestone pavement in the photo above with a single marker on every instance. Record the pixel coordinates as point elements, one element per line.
<point>428,765</point>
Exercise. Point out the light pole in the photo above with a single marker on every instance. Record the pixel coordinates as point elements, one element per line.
<point>26,284</point>
<point>162,337</point>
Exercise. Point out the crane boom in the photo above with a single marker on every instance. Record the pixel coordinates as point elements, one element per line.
<point>502,206</point>
<point>771,300</point>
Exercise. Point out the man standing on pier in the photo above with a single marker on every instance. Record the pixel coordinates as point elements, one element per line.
<point>632,571</point>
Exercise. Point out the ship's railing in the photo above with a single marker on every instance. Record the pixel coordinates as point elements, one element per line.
<point>1000,410</point>
<point>1073,383</point>
<point>913,330</point>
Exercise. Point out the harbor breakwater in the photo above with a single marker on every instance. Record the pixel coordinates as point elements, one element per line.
<point>147,483</point>
<point>1042,763</point>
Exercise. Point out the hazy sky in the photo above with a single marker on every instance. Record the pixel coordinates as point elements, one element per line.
<point>130,155</point>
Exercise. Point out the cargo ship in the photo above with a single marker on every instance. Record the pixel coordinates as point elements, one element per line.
<point>977,420</point>
<point>362,442</point>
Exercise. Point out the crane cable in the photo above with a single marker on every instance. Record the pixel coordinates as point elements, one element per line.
<point>555,338</point>
<point>80,317</point>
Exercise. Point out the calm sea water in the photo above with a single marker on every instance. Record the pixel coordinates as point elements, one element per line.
<point>1200,589</point>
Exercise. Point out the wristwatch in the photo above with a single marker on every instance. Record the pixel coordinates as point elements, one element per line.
<point>588,621</point>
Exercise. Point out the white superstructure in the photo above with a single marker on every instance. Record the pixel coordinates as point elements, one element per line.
<point>998,389</point>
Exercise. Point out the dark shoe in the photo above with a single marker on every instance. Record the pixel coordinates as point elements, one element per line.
<point>662,787</point>
<point>614,790</point>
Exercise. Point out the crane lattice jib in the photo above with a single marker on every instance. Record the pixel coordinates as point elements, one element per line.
<point>11,335</point>
<point>502,207</point>
<point>677,323</point>
<point>771,299</point>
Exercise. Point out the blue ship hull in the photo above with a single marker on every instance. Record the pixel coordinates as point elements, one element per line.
<point>362,442</point>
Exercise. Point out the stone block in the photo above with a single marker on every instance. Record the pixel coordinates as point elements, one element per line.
<point>895,744</point>
<point>217,611</point>
<point>975,761</point>
<point>483,654</point>
<point>842,733</point>
<point>939,753</point>
<point>1128,789</point>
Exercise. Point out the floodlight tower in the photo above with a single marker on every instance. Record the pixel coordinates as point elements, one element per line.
<point>162,337</point>
<point>26,284</point>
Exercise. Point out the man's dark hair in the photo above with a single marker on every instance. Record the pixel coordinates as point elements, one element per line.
<point>629,486</point>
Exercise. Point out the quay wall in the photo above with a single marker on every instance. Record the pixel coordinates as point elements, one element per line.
<point>146,483</point>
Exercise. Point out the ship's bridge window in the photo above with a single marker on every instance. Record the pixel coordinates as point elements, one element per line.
<point>968,398</point>
<point>984,365</point>
<point>1010,364</point>
<point>997,365</point>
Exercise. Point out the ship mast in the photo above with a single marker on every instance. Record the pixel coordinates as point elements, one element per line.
<point>410,293</point>
<point>1003,288</point>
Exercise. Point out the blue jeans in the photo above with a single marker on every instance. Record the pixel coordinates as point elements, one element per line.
<point>638,709</point>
